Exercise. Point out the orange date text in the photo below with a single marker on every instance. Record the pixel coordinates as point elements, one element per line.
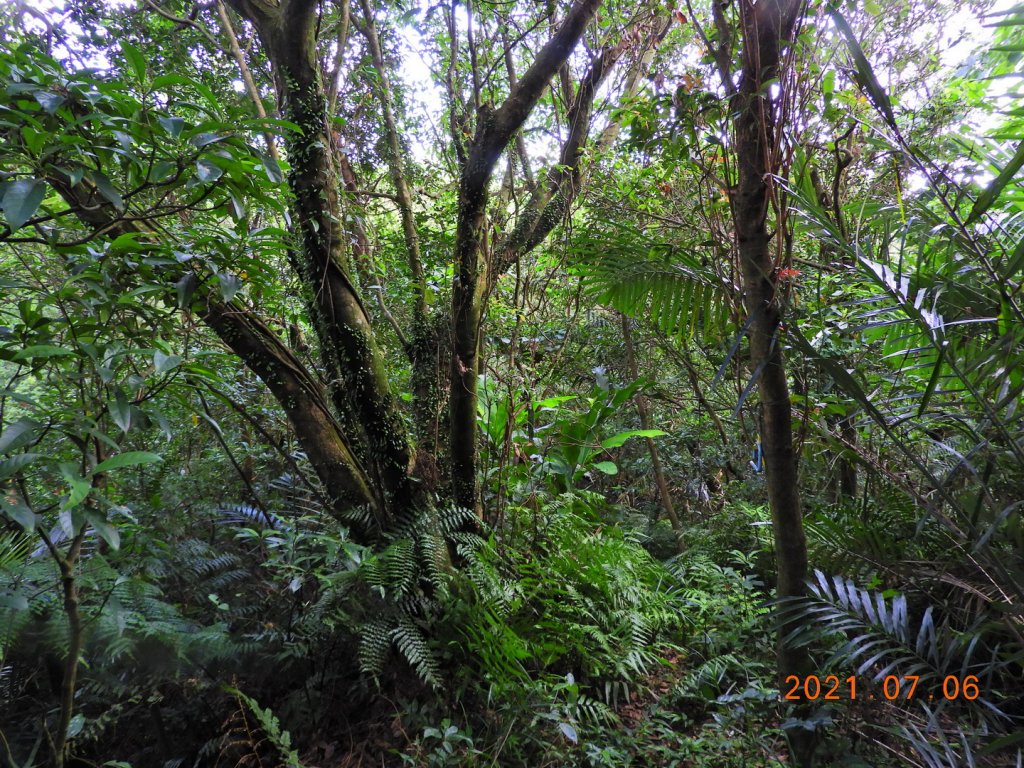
<point>889,688</point>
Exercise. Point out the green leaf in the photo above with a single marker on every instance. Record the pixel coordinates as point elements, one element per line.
<point>164,80</point>
<point>205,139</point>
<point>21,199</point>
<point>125,141</point>
<point>185,287</point>
<point>19,434</point>
<point>162,171</point>
<point>104,529</point>
<point>19,513</point>
<point>229,286</point>
<point>828,83</point>
<point>616,440</point>
<point>121,411</point>
<point>135,59</point>
<point>108,190</point>
<point>208,171</point>
<point>1016,259</point>
<point>569,732</point>
<point>551,403</point>
<point>42,351</point>
<point>77,723</point>
<point>163,362</point>
<point>74,175</point>
<point>608,467</point>
<point>986,198</point>
<point>125,243</point>
<point>78,490</point>
<point>1003,743</point>
<point>865,74</point>
<point>272,168</point>
<point>173,125</point>
<point>49,101</point>
<point>126,459</point>
<point>237,206</point>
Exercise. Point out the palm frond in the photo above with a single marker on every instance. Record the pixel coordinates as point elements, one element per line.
<point>873,634</point>
<point>639,275</point>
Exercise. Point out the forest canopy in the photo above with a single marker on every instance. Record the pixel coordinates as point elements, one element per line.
<point>483,382</point>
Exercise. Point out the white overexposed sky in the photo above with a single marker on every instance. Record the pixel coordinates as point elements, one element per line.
<point>964,36</point>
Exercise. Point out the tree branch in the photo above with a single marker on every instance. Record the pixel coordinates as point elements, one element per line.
<point>395,161</point>
<point>243,68</point>
<point>339,57</point>
<point>494,130</point>
<point>494,133</point>
<point>513,82</point>
<point>548,203</point>
<point>185,22</point>
<point>296,390</point>
<point>302,399</point>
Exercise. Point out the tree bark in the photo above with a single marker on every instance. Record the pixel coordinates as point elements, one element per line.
<point>69,584</point>
<point>369,413</point>
<point>304,401</point>
<point>768,26</point>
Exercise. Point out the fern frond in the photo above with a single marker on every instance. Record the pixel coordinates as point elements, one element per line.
<point>591,710</point>
<point>245,741</point>
<point>414,648</point>
<point>679,298</point>
<point>374,644</point>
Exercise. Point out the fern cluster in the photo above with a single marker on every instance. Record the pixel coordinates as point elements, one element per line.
<point>585,600</point>
<point>404,588</point>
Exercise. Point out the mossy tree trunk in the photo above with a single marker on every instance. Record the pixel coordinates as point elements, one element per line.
<point>369,434</point>
<point>346,417</point>
<point>495,128</point>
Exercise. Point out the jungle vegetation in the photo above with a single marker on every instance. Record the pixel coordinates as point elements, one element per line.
<point>508,383</point>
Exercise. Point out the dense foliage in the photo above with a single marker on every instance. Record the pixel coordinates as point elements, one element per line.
<point>575,383</point>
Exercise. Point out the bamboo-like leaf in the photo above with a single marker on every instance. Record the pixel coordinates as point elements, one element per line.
<point>618,439</point>
<point>866,75</point>
<point>126,459</point>
<point>999,183</point>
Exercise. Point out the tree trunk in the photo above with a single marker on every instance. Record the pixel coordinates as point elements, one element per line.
<point>369,413</point>
<point>494,130</point>
<point>652,448</point>
<point>768,26</point>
